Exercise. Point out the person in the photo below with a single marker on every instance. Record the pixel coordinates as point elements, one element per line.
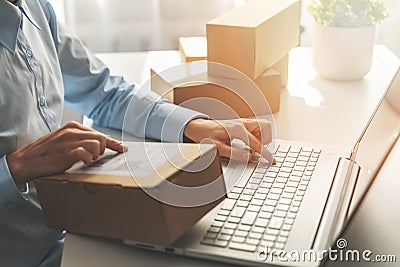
<point>43,65</point>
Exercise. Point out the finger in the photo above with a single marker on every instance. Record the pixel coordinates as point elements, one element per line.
<point>79,154</point>
<point>261,129</point>
<point>257,146</point>
<point>233,153</point>
<point>93,146</point>
<point>116,145</point>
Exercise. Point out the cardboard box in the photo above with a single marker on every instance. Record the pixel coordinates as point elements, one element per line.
<point>193,48</point>
<point>282,66</point>
<point>218,101</point>
<point>253,37</point>
<point>108,202</point>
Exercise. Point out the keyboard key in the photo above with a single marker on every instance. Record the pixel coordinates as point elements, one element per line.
<point>317,151</point>
<point>261,222</point>
<point>249,218</point>
<point>234,220</point>
<point>274,169</point>
<point>223,212</point>
<point>282,207</point>
<point>296,203</point>
<point>273,196</point>
<point>291,215</point>
<point>290,189</point>
<point>230,225</point>
<point>285,201</point>
<point>287,195</point>
<point>294,209</point>
<point>295,149</point>
<point>268,208</point>
<point>255,235</point>
<point>260,170</point>
<point>233,196</point>
<point>238,212</point>
<point>217,224</point>
<point>299,169</point>
<point>269,180</point>
<point>281,180</point>
<point>265,215</point>
<point>283,174</point>
<point>284,148</point>
<point>224,237</point>
<point>210,235</point>
<point>276,191</point>
<point>237,190</point>
<point>269,237</point>
<point>281,239</point>
<point>284,233</point>
<point>293,155</point>
<point>245,197</point>
<point>313,159</point>
<point>305,154</point>
<point>281,154</point>
<point>275,223</point>
<point>288,164</point>
<point>259,197</point>
<point>295,178</point>
<point>228,204</point>
<point>279,245</point>
<point>254,208</point>
<point>308,173</point>
<point>257,229</point>
<point>279,185</point>
<point>243,227</point>
<point>241,233</point>
<point>242,203</point>
<point>252,241</point>
<point>293,160</point>
<point>272,231</point>
<point>270,202</point>
<point>220,218</point>
<point>257,175</point>
<point>292,184</point>
<point>288,170</point>
<point>306,149</point>
<point>214,229</point>
<point>238,239</point>
<point>226,231</point>
<point>266,243</point>
<point>262,190</point>
<point>302,187</point>
<point>271,175</point>
<point>305,183</point>
<point>300,193</point>
<point>296,173</point>
<point>280,213</point>
<point>298,198</point>
<point>301,163</point>
<point>243,247</point>
<point>287,227</point>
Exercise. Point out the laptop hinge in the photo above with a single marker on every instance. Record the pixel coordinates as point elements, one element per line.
<point>338,203</point>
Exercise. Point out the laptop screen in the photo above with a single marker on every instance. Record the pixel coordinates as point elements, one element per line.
<point>377,139</point>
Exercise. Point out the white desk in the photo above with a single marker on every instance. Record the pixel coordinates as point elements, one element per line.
<point>312,110</point>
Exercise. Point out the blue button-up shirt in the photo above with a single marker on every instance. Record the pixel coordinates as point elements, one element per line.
<point>43,66</point>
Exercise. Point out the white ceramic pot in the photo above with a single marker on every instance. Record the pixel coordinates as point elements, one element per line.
<point>342,54</point>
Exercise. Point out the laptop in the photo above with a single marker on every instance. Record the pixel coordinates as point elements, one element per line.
<point>300,204</point>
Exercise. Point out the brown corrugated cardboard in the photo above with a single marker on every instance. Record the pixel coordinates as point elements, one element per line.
<point>282,66</point>
<point>253,37</point>
<point>193,48</point>
<point>113,204</point>
<point>270,83</point>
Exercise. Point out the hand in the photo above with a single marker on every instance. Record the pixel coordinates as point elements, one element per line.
<point>58,151</point>
<point>254,133</point>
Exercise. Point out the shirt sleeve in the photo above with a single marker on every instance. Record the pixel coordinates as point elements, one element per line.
<point>109,100</point>
<point>9,193</point>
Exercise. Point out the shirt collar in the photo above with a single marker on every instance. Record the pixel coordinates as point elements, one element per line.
<point>10,21</point>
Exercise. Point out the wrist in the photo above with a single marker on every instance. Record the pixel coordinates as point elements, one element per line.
<point>194,128</point>
<point>16,170</point>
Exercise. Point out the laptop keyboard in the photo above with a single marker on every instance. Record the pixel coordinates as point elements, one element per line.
<point>261,211</point>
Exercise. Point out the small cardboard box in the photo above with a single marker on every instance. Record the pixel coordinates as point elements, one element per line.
<point>103,199</point>
<point>253,37</point>
<point>282,66</point>
<point>193,48</point>
<point>215,100</point>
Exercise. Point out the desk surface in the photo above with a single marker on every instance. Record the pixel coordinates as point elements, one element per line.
<point>312,110</point>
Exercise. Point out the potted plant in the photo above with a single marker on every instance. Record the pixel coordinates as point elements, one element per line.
<point>344,35</point>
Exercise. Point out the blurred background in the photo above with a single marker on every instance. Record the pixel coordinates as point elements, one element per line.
<point>142,25</point>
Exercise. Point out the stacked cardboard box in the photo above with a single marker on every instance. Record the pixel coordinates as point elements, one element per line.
<point>256,38</point>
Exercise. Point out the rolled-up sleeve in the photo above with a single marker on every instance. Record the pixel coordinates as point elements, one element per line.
<point>109,100</point>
